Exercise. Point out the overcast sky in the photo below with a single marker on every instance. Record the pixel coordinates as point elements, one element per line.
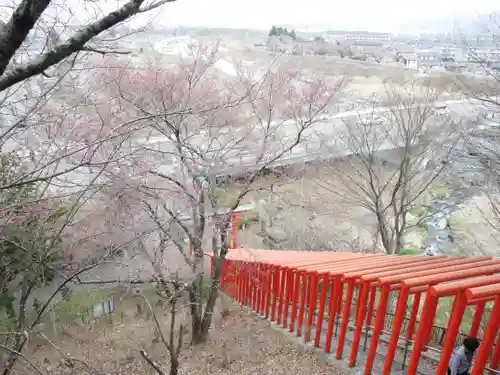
<point>383,15</point>
<point>372,15</point>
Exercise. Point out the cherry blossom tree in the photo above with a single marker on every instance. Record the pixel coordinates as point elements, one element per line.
<point>57,225</point>
<point>60,139</point>
<point>46,63</point>
<point>203,128</point>
<point>51,241</point>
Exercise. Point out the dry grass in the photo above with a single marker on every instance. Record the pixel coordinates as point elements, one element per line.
<point>317,64</point>
<point>342,221</point>
<point>316,205</point>
<point>309,209</point>
<point>252,346</point>
<point>240,343</point>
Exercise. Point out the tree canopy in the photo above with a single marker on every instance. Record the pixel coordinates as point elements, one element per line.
<point>30,245</point>
<point>279,31</point>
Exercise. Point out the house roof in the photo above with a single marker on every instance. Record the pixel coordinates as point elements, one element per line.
<point>409,56</point>
<point>340,32</point>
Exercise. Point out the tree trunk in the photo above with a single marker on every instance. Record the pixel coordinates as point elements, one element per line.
<point>196,289</point>
<point>12,358</point>
<point>209,310</point>
<point>200,332</point>
<point>385,236</point>
<point>202,326</point>
<point>213,294</point>
<point>10,364</point>
<point>174,366</point>
<point>202,320</point>
<point>399,246</point>
<point>196,316</point>
<point>197,337</point>
<point>20,340</point>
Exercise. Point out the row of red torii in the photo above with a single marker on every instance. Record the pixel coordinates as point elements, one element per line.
<point>292,287</point>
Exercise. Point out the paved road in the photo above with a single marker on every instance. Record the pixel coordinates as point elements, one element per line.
<point>321,140</point>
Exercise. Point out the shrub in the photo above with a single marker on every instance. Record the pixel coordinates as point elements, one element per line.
<point>410,251</point>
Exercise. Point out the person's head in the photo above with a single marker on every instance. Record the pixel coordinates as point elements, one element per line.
<point>471,344</point>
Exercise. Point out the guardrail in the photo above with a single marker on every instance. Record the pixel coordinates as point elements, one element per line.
<point>438,333</point>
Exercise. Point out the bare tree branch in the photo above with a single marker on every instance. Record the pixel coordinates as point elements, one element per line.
<point>23,20</point>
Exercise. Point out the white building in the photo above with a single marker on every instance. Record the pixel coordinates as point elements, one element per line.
<point>483,54</point>
<point>175,46</point>
<point>410,60</point>
<point>355,36</point>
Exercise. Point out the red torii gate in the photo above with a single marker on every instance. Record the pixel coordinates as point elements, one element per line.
<point>420,284</point>
<point>284,286</point>
<point>459,289</point>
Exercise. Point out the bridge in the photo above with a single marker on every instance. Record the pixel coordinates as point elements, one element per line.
<point>341,303</point>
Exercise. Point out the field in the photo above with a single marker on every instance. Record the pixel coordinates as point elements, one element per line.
<point>367,80</point>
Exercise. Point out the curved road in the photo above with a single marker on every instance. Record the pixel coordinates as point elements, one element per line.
<point>320,140</point>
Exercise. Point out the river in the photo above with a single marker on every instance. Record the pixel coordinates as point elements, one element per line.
<point>466,176</point>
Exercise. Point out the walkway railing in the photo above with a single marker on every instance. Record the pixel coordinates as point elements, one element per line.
<point>287,289</point>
